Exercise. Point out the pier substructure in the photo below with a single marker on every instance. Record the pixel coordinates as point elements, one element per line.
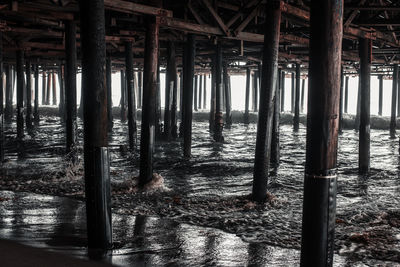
<point>267,94</point>
<point>283,91</point>
<point>320,181</point>
<point>213,95</point>
<point>96,157</point>
<point>36,102</point>
<point>346,95</point>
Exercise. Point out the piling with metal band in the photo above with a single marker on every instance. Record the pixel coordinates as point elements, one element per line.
<point>109,92</point>
<point>296,118</point>
<point>365,51</point>
<point>28,103</point>
<point>346,95</point>
<point>149,100</point>
<point>20,94</point>
<point>380,78</point>
<point>219,122</point>
<point>200,90</point>
<point>227,87</point>
<point>267,95</point>
<point>36,102</point>
<point>213,95</point>
<point>61,105</point>
<point>341,101</point>
<point>70,85</point>
<point>170,93</point>
<point>394,101</point>
<point>131,95</point>
<point>283,91</point>
<point>122,101</point>
<point>204,91</point>
<point>293,91</point>
<point>247,97</point>
<point>275,141</point>
<point>320,181</point>
<point>9,108</point>
<point>53,78</point>
<point>96,157</point>
<point>196,82</point>
<point>158,103</point>
<point>303,88</point>
<point>188,95</point>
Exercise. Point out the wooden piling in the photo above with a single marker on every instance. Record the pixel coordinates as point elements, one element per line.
<point>44,86</point>
<point>54,91</point>
<point>255,91</point>
<point>70,85</point>
<point>213,94</point>
<point>149,100</point>
<point>346,95</point>
<point>365,51</point>
<point>28,103</point>
<point>380,78</point>
<point>267,95</point>
<point>394,101</point>
<point>303,88</point>
<point>283,91</point>
<point>195,93</point>
<point>247,97</point>
<point>9,84</point>
<point>140,89</point>
<point>188,95</point>
<point>48,87</point>
<point>227,87</point>
<point>132,129</point>
<point>275,139</point>
<point>357,118</point>
<point>96,157</point>
<point>341,101</point>
<point>61,82</point>
<point>296,118</point>
<point>36,102</point>
<point>200,90</point>
<point>320,181</point>
<point>1,100</point>
<point>219,122</point>
<point>20,94</point>
<point>109,92</point>
<point>170,94</point>
<point>122,101</point>
<point>204,91</point>
<point>293,91</point>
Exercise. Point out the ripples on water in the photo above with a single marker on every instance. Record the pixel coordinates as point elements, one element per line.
<point>212,188</point>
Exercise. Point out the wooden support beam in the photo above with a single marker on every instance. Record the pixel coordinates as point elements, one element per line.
<point>134,8</point>
<point>195,14</point>
<point>217,18</point>
<point>353,14</point>
<point>247,20</point>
